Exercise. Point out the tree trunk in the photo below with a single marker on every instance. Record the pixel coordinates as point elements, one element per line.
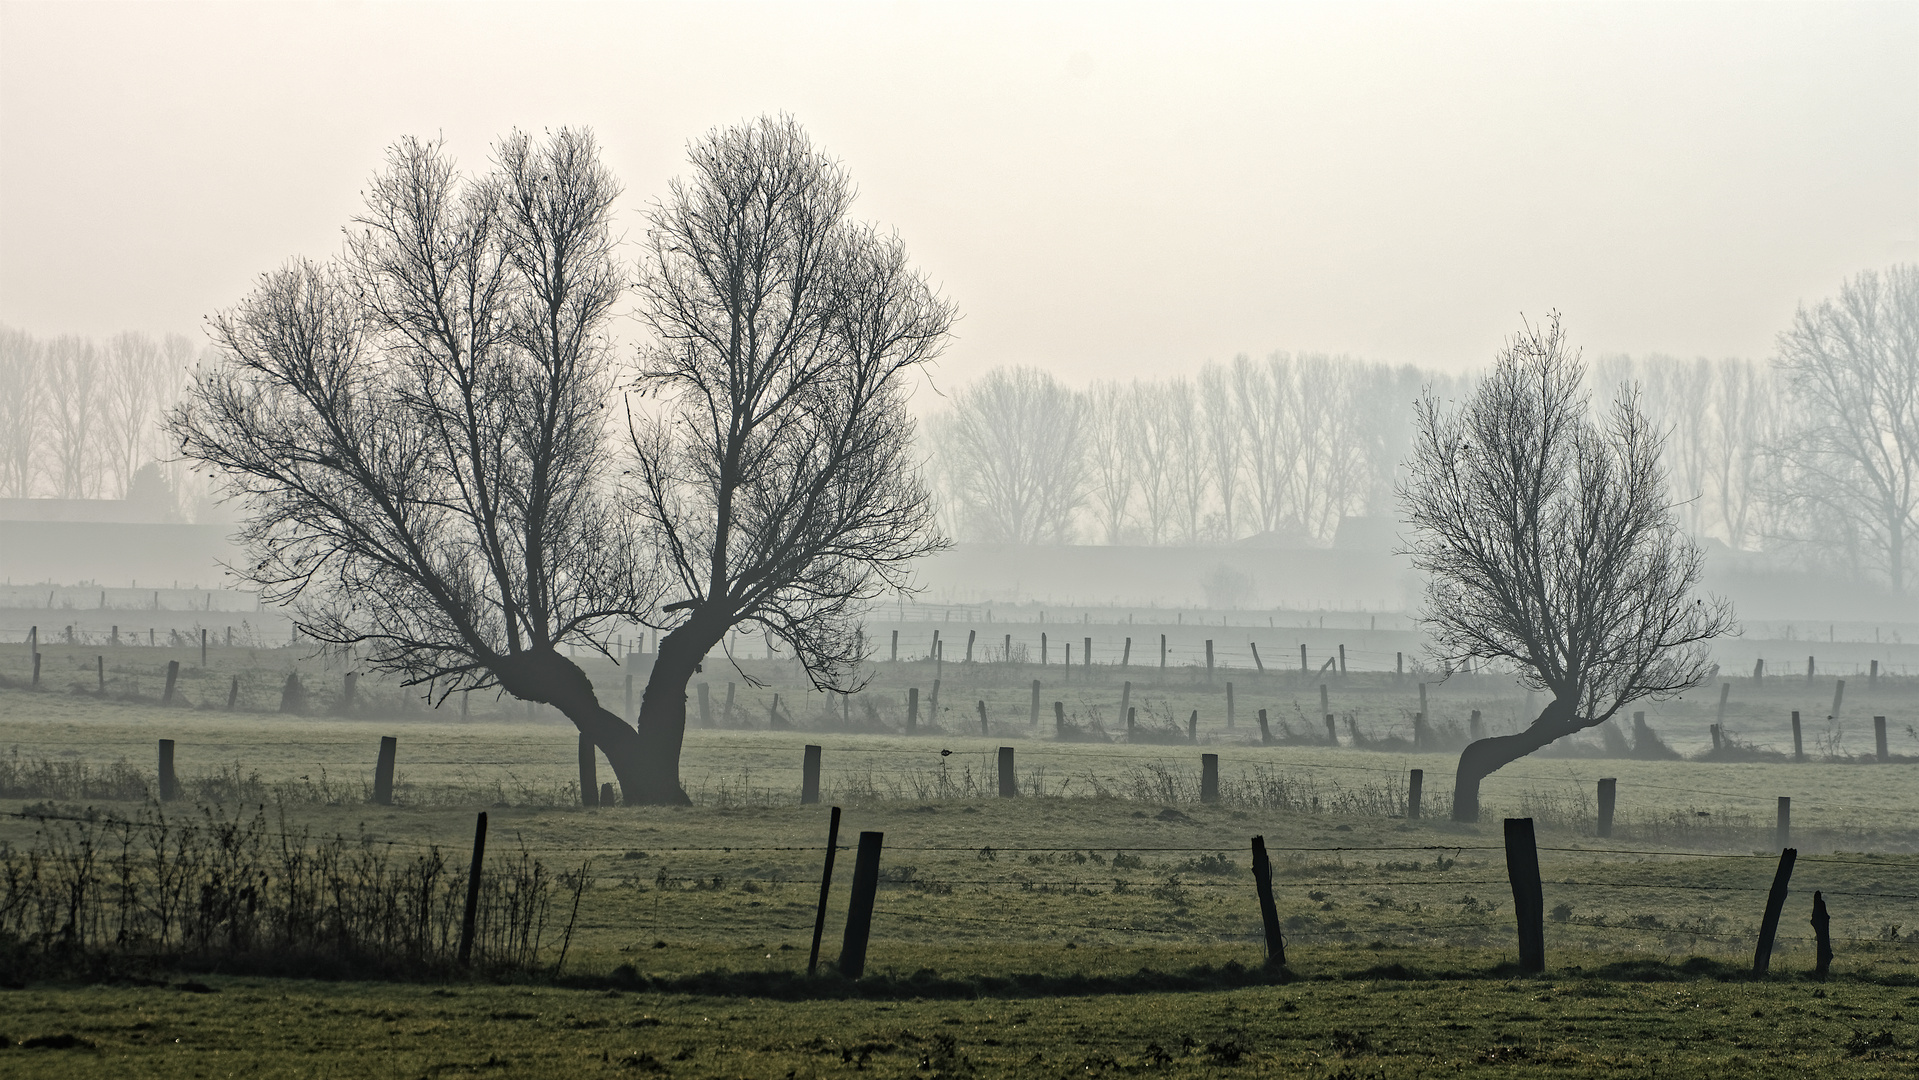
<point>662,720</point>
<point>1487,756</point>
<point>648,770</point>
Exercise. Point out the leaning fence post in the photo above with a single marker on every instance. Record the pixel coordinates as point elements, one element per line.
<point>169,788</point>
<point>1775,903</point>
<point>1008,780</point>
<point>1822,930</point>
<point>1529,903</point>
<point>233,692</point>
<point>1879,737</point>
<point>383,771</point>
<point>1265,733</point>
<point>1783,836</point>
<point>826,886</point>
<point>1268,911</point>
<point>1257,664</point>
<point>589,773</point>
<point>1192,728</point>
<point>1126,655</point>
<point>1414,784</point>
<point>859,914</point>
<point>1209,778</point>
<point>468,924</point>
<point>166,697</point>
<point>810,778</point>
<point>970,635</point>
<point>1608,796</point>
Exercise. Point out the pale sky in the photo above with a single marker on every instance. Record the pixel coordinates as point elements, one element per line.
<point>1103,189</point>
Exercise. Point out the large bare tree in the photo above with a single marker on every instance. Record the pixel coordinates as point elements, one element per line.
<point>418,431</point>
<point>1012,459</point>
<point>773,448</point>
<point>1551,548</point>
<point>1850,366</point>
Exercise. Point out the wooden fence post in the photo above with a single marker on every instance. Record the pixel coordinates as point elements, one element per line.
<point>982,716</point>
<point>169,787</point>
<point>1209,778</point>
<point>1268,910</point>
<point>1086,659</point>
<point>970,635</point>
<point>826,886</point>
<point>1419,731</point>
<point>1808,669</point>
<point>1529,904</point>
<point>1758,669</point>
<point>1258,665</point>
<point>1059,719</point>
<point>1303,669</point>
<point>1125,697</point>
<point>100,664</point>
<point>1414,788</point>
<point>1872,680</point>
<point>912,710</point>
<point>1717,742</point>
<point>895,654</point>
<point>1342,659</point>
<point>810,777</point>
<point>1008,779</point>
<point>1229,706</point>
<point>203,646</point>
<point>1162,655</point>
<point>589,773</point>
<point>233,692</point>
<point>1209,661</point>
<point>1192,728</point>
<point>1126,655</point>
<point>1822,931</point>
<point>1042,648</point>
<point>383,771</point>
<point>166,698</point>
<point>1399,665</point>
<point>1332,730</point>
<point>1265,733</point>
<point>1879,737</point>
<point>1798,740</point>
<point>1783,833</point>
<point>469,923</point>
<point>726,711</point>
<point>1130,723</point>
<point>1034,722</point>
<point>1775,903</point>
<point>1838,696</point>
<point>1608,799</point>
<point>859,913</point>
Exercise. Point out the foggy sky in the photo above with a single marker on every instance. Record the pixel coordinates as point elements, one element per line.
<point>1103,190</point>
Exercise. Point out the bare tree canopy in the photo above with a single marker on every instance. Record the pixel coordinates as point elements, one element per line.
<point>417,430</point>
<point>1011,460</point>
<point>1550,547</point>
<point>1851,367</point>
<point>774,459</point>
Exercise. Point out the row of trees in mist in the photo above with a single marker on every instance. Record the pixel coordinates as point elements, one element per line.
<point>1812,455</point>
<point>80,418</point>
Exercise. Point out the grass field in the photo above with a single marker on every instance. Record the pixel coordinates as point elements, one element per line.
<point>697,919</point>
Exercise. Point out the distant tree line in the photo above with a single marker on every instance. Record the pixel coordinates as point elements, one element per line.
<point>80,418</point>
<point>1811,456</point>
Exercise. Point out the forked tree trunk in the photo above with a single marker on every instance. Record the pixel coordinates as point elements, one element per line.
<point>647,764</point>
<point>1487,756</point>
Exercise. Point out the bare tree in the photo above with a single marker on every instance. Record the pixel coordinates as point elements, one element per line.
<point>418,432</point>
<point>73,416</point>
<point>1155,450</point>
<point>1187,460</point>
<point>1851,367</point>
<point>776,463</point>
<point>1013,461</point>
<point>1110,435</point>
<point>1550,547</point>
<point>129,407</point>
<point>22,409</point>
<point>1225,440</point>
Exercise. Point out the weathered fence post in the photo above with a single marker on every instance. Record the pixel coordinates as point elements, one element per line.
<point>233,691</point>
<point>1808,669</point>
<point>1192,728</point>
<point>1783,833</point>
<point>1086,659</point>
<point>100,664</point>
<point>589,773</point>
<point>1608,800</point>
<point>1872,680</point>
<point>1268,910</point>
<point>912,709</point>
<point>1162,655</point>
<point>1229,706</point>
<point>1130,723</point>
<point>1042,647</point>
<point>1775,903</point>
<point>810,776</point>
<point>1209,661</point>
<point>1399,665</point>
<point>1342,658</point>
<point>970,634</point>
<point>1332,730</point>
<point>1059,719</point>
<point>383,771</point>
<point>166,697</point>
<point>1258,665</point>
<point>471,921</point>
<point>169,787</point>
<point>1303,669</point>
<point>859,913</point>
<point>1069,662</point>
<point>1838,696</point>
<point>1414,785</point>
<point>982,716</point>
<point>203,646</point>
<point>1758,669</point>
<point>1529,903</point>
<point>1798,740</point>
<point>1008,779</point>
<point>1125,697</point>
<point>1822,931</point>
<point>1209,778</point>
<point>826,887</point>
<point>1126,655</point>
<point>1717,741</point>
<point>1034,722</point>
<point>1265,732</point>
<point>1006,650</point>
<point>1879,738</point>
<point>895,654</point>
